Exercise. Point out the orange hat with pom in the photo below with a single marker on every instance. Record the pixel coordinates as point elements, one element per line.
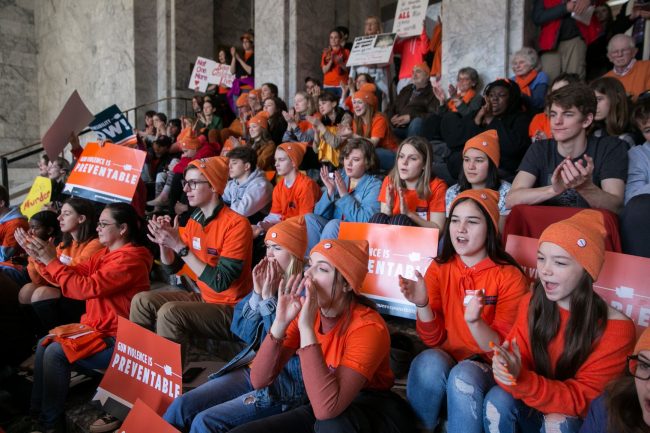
<point>582,236</point>
<point>488,199</point>
<point>350,258</point>
<point>290,234</point>
<point>215,170</point>
<point>644,342</point>
<point>295,150</point>
<point>190,142</point>
<point>255,92</point>
<point>242,100</point>
<point>366,95</point>
<point>261,119</point>
<point>488,143</point>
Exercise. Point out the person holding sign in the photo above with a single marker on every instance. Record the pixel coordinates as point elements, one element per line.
<point>107,282</point>
<point>343,345</point>
<point>220,404</point>
<point>213,250</point>
<point>411,195</point>
<point>467,299</point>
<point>566,343</point>
<point>333,62</point>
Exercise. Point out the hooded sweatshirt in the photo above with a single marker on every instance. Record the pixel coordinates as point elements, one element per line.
<point>249,197</point>
<point>8,225</point>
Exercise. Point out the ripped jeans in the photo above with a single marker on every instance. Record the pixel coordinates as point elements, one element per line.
<point>434,375</point>
<point>503,413</point>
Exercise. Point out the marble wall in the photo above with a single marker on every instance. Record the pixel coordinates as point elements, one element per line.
<point>231,19</point>
<point>18,65</point>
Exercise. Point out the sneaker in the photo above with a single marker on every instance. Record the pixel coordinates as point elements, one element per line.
<point>104,424</point>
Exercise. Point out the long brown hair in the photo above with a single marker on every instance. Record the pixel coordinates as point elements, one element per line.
<point>623,408</point>
<point>88,229</point>
<point>586,325</point>
<point>617,121</point>
<point>421,145</point>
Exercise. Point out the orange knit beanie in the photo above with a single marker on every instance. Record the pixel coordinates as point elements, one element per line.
<point>215,170</point>
<point>488,143</point>
<point>350,258</point>
<point>290,234</point>
<point>488,199</point>
<point>643,343</point>
<point>295,150</point>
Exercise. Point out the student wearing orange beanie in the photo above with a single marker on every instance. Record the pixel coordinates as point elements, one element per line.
<point>343,345</point>
<point>259,139</point>
<point>481,157</point>
<point>220,404</point>
<point>467,298</point>
<point>296,194</point>
<point>213,250</point>
<point>566,344</point>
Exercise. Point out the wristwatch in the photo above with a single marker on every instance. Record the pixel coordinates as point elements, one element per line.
<point>183,251</point>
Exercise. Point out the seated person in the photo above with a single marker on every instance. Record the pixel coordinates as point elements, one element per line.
<point>411,195</point>
<point>481,157</point>
<point>633,73</point>
<point>540,126</point>
<point>413,104</point>
<point>274,106</point>
<point>351,193</point>
<point>247,192</point>
<point>238,126</point>
<point>259,139</point>
<point>12,256</point>
<point>572,169</point>
<point>531,81</point>
<point>213,250</point>
<point>327,140</point>
<point>295,194</point>
<point>255,101</point>
<point>107,282</point>
<point>208,119</point>
<point>463,97</point>
<point>159,158</point>
<point>612,116</point>
<point>58,171</point>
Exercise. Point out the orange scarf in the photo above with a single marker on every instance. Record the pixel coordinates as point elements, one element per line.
<point>466,98</point>
<point>525,81</point>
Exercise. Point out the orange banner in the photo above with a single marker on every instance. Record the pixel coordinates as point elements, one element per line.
<point>623,281</point>
<point>106,174</point>
<point>394,250</point>
<point>143,419</point>
<point>144,366</point>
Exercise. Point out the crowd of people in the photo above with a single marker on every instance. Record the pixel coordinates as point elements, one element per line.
<point>244,201</point>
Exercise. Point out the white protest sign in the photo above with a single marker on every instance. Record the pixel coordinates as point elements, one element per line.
<point>409,17</point>
<point>372,50</point>
<point>199,79</point>
<point>221,75</point>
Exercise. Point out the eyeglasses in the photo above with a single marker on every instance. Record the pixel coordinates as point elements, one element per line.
<point>103,224</point>
<point>621,51</point>
<point>192,183</point>
<point>638,367</point>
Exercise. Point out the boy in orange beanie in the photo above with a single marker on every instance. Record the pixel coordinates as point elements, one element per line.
<point>213,251</point>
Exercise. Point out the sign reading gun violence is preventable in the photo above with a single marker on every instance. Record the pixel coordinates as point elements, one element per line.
<point>623,282</point>
<point>106,174</point>
<point>143,419</point>
<point>39,195</point>
<point>394,251</point>
<point>111,125</point>
<point>372,50</point>
<point>144,366</point>
<point>409,17</point>
<point>208,71</point>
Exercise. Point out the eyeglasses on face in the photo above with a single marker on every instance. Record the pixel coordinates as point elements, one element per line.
<point>103,224</point>
<point>192,183</point>
<point>638,367</point>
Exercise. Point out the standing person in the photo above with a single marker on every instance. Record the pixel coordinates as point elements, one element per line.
<point>411,195</point>
<point>333,62</point>
<point>467,299</point>
<point>531,81</point>
<point>243,67</point>
<point>372,124</point>
<point>343,345</point>
<point>224,402</point>
<point>566,343</point>
<point>411,51</point>
<point>107,282</point>
<point>213,250</point>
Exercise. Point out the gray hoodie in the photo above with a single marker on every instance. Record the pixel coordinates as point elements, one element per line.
<point>251,196</point>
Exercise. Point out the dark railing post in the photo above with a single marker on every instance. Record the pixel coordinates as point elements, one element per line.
<point>5,173</point>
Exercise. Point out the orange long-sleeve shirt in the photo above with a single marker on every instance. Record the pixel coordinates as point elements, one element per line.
<point>72,255</point>
<point>448,284</point>
<point>299,199</point>
<point>573,396</point>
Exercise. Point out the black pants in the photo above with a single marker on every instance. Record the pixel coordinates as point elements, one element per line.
<point>371,412</point>
<point>635,230</point>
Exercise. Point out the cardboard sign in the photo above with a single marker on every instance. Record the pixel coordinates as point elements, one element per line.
<point>111,125</point>
<point>143,366</point>
<point>372,50</point>
<point>143,419</point>
<point>201,74</point>
<point>221,76</point>
<point>39,195</point>
<point>106,174</point>
<point>409,17</point>
<point>394,251</point>
<point>73,118</point>
<point>623,281</point>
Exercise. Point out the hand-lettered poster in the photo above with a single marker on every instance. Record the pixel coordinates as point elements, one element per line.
<point>409,17</point>
<point>113,126</point>
<point>372,50</point>
<point>39,195</point>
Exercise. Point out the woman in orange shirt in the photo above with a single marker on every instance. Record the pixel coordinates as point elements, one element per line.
<point>411,195</point>
<point>467,298</point>
<point>343,345</point>
<point>78,225</point>
<point>566,344</point>
<point>372,124</point>
<point>333,63</point>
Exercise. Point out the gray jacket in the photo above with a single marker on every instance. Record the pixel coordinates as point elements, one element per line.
<point>251,196</point>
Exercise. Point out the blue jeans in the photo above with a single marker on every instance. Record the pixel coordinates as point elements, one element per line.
<point>414,128</point>
<point>386,158</point>
<point>435,375</point>
<point>503,414</point>
<point>52,378</point>
<point>320,228</point>
<point>219,405</point>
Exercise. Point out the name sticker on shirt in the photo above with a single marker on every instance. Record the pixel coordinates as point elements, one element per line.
<point>213,251</point>
<point>196,244</point>
<point>469,294</point>
<point>66,260</point>
<point>423,212</point>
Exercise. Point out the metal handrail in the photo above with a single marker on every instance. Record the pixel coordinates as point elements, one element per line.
<point>37,146</point>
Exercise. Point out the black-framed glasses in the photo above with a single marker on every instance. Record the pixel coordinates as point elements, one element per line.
<point>103,224</point>
<point>192,183</point>
<point>638,367</point>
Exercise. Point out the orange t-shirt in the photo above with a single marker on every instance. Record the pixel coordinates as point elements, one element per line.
<point>73,255</point>
<point>227,235</point>
<point>572,396</point>
<point>338,71</point>
<point>423,208</point>
<point>379,129</point>
<point>299,199</point>
<point>450,283</point>
<point>364,346</point>
<point>540,123</point>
